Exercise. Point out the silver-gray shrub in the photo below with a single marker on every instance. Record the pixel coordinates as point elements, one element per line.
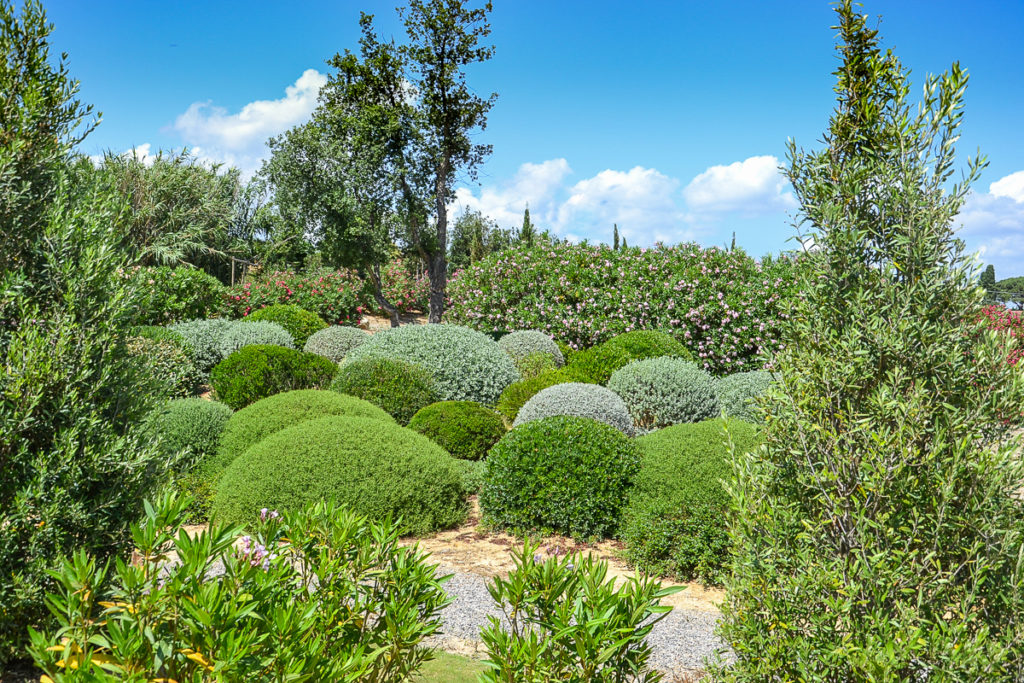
<point>737,392</point>
<point>664,391</point>
<point>520,344</point>
<point>335,342</point>
<point>205,337</point>
<point>256,332</point>
<point>579,400</point>
<point>466,365</point>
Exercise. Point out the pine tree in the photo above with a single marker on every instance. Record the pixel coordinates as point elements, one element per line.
<point>878,528</point>
<point>615,238</point>
<point>528,231</point>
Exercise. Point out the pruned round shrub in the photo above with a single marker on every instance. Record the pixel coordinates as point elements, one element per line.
<point>465,429</point>
<point>581,400</point>
<point>560,474</point>
<point>168,363</point>
<point>398,387</point>
<point>736,393</point>
<point>466,365</point>
<point>597,364</point>
<point>675,521</point>
<point>298,322</point>
<point>261,332</point>
<point>665,391</point>
<point>522,343</point>
<point>534,364</point>
<point>258,420</point>
<point>258,371</point>
<point>335,342</point>
<point>192,423</point>
<point>205,338</point>
<point>518,393</point>
<point>375,467</point>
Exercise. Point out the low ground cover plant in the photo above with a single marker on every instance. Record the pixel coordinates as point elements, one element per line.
<point>566,620</point>
<point>259,371</point>
<point>466,365</point>
<point>339,297</point>
<point>563,474</point>
<point>581,400</point>
<point>597,364</point>
<point>335,341</point>
<point>398,387</point>
<point>298,322</point>
<point>465,429</point>
<point>373,604</point>
<point>375,467</point>
<point>665,391</point>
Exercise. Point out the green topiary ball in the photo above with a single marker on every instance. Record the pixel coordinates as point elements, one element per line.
<point>204,336</point>
<point>375,467</point>
<point>581,400</point>
<point>255,422</point>
<point>675,521</point>
<point>466,365</point>
<point>597,364</point>
<point>518,393</point>
<point>261,332</point>
<point>465,429</point>
<point>335,341</point>
<point>521,344</point>
<point>665,391</point>
<point>400,388</point>
<point>737,392</point>
<point>297,321</point>
<point>563,474</point>
<point>193,423</point>
<point>258,371</point>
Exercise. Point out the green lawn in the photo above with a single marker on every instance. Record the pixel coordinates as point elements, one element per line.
<point>446,668</point>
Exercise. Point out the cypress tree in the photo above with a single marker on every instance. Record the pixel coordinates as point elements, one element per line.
<point>615,238</point>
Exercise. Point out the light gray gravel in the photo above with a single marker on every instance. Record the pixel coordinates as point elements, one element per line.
<point>681,641</point>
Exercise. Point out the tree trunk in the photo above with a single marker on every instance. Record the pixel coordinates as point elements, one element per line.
<point>382,301</point>
<point>438,266</point>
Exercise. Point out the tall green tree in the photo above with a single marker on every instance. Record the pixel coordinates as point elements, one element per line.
<point>529,231</point>
<point>878,528</point>
<point>615,237</point>
<point>474,236</point>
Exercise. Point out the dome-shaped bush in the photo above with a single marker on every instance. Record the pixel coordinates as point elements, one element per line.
<point>257,421</point>
<point>520,344</point>
<point>375,467</point>
<point>335,341</point>
<point>258,371</point>
<point>193,423</point>
<point>262,332</point>
<point>598,363</point>
<point>581,400</point>
<point>564,474</point>
<point>675,521</point>
<point>398,387</point>
<point>204,336</point>
<point>518,393</point>
<point>737,392</point>
<point>465,429</point>
<point>298,322</point>
<point>466,365</point>
<point>665,391</point>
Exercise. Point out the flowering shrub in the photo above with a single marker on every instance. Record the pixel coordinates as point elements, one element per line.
<point>403,290</point>
<point>339,297</point>
<point>724,306</point>
<point>1011,323</point>
<point>320,594</point>
<point>167,295</point>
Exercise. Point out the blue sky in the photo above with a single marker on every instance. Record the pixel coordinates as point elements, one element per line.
<point>668,118</point>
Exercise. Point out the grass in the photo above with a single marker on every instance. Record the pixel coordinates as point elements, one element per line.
<point>446,668</point>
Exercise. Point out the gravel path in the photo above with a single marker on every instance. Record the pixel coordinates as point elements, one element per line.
<point>680,642</point>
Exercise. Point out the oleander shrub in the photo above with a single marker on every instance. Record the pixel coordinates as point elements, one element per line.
<point>725,306</point>
<point>204,336</point>
<point>522,343</point>
<point>258,420</point>
<point>168,295</point>
<point>376,468</point>
<point>466,365</point>
<point>168,363</point>
<point>298,322</point>
<point>665,391</point>
<point>339,297</point>
<point>597,364</point>
<point>581,400</point>
<point>561,474</point>
<point>335,342</point>
<point>515,395</point>
<point>398,387</point>
<point>405,290</point>
<point>676,520</point>
<point>737,392</point>
<point>465,429</point>
<point>263,332</point>
<point>258,371</point>
<point>375,601</point>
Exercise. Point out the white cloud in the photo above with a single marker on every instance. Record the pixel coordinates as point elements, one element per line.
<point>1011,186</point>
<point>754,185</point>
<point>534,185</point>
<point>239,139</point>
<point>993,225</point>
